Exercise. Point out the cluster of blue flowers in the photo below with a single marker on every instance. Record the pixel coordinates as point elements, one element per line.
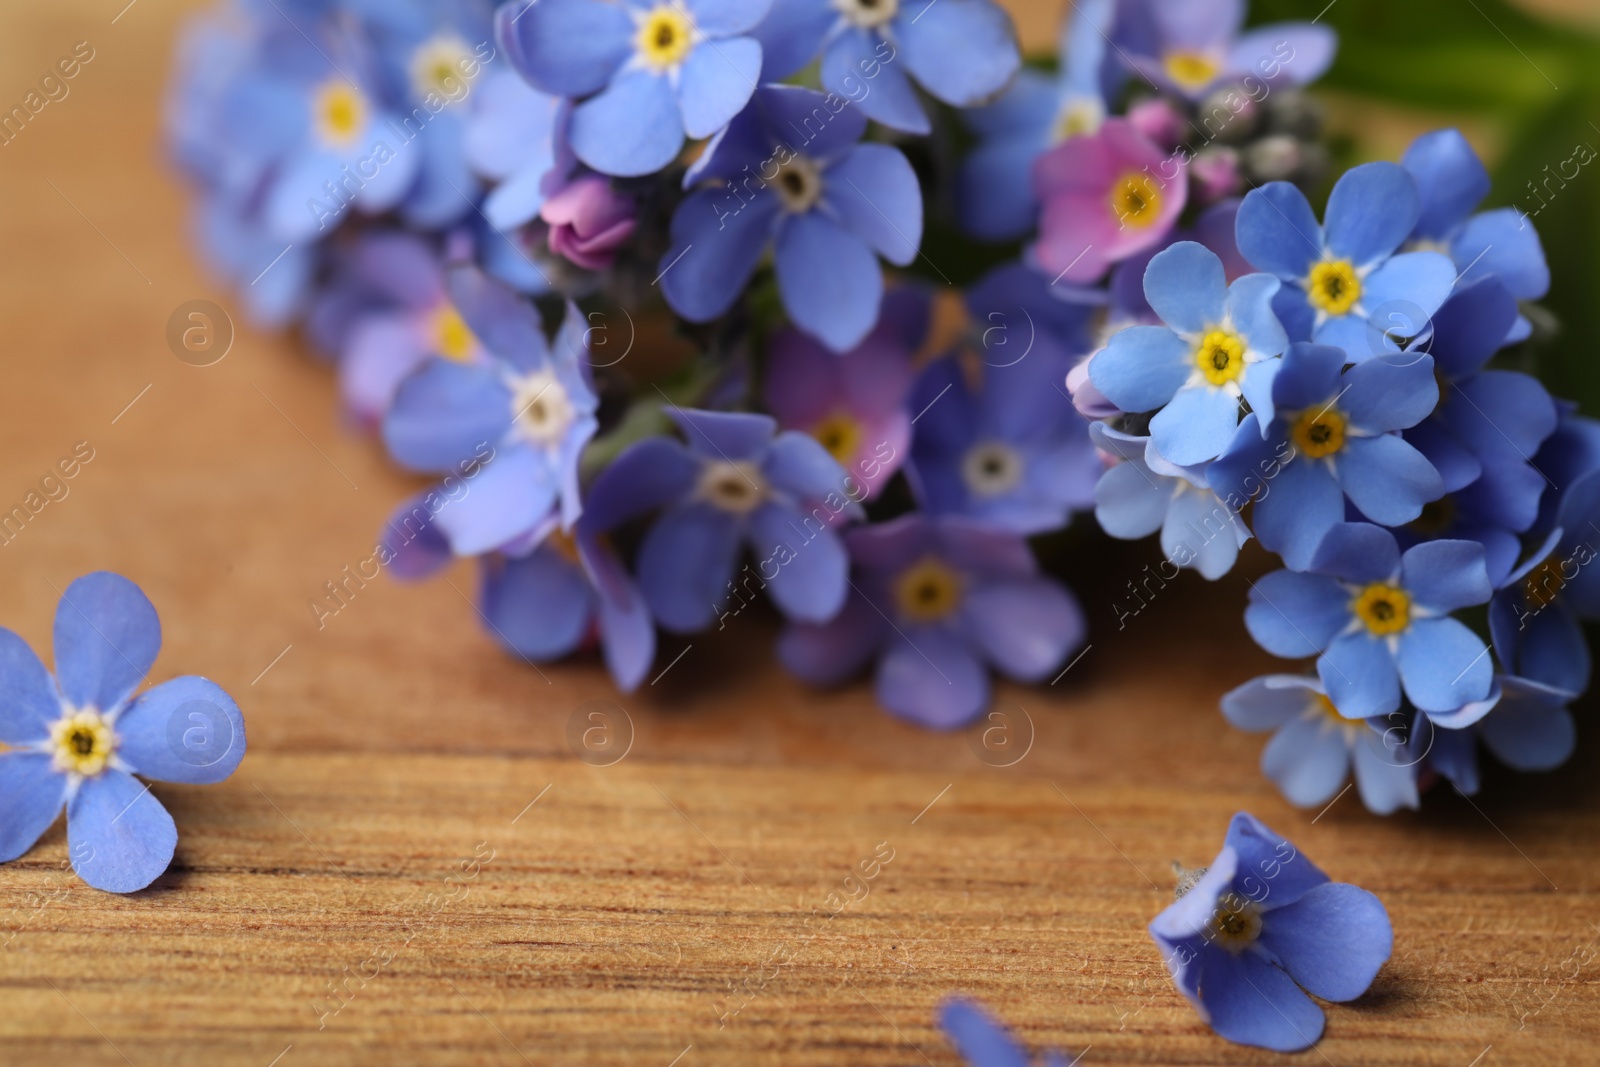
<point>468,205</point>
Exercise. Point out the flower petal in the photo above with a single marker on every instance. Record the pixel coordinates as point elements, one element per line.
<point>1358,671</point>
<point>1446,575</point>
<point>1450,178</point>
<point>717,240</point>
<point>107,635</point>
<point>1373,208</point>
<point>1443,665</point>
<point>809,566</point>
<point>1025,627</point>
<point>791,35</point>
<point>1502,243</point>
<point>566,47</point>
<point>1308,760</point>
<point>1358,552</point>
<point>961,51</point>
<point>1388,479</point>
<point>1389,392</point>
<point>1252,1002</point>
<point>685,565</point>
<point>631,129</point>
<point>1264,853</point>
<point>930,677</point>
<point>1277,231</point>
<point>186,730</point>
<point>1131,502</point>
<point>1268,702</point>
<point>1141,367</point>
<point>835,651</point>
<point>28,699</point>
<point>1386,772</point>
<point>1295,615</point>
<point>830,281</point>
<point>716,81</point>
<point>1531,730</point>
<point>878,198</point>
<point>1297,509</point>
<point>1333,940</point>
<point>978,1037</point>
<point>445,413</point>
<point>1186,286</point>
<point>540,606</point>
<point>510,496</point>
<point>120,837</point>
<point>890,98</point>
<point>31,795</point>
<point>1196,425</point>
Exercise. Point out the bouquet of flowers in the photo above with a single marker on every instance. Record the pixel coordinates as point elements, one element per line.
<point>837,303</point>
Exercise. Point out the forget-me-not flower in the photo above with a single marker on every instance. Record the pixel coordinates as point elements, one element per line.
<point>1345,286</point>
<point>1220,344</point>
<point>647,72</point>
<point>982,1040</point>
<point>1260,928</point>
<point>1193,46</point>
<point>77,740</point>
<point>1525,725</point>
<point>1377,620</point>
<point>790,175</point>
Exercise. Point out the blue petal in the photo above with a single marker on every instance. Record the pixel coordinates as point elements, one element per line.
<point>930,677</point>
<point>1387,479</point>
<point>1141,367</point>
<point>1472,326</point>
<point>715,82</point>
<point>1257,386</point>
<point>726,435</point>
<point>508,325</point>
<point>28,699</point>
<point>566,47</point>
<point>626,629</point>
<point>717,240</point>
<point>1457,466</point>
<point>186,730</point>
<point>649,474</point>
<point>1450,178</point>
<point>1311,50</point>
<point>1250,309</point>
<point>994,190</point>
<point>836,651</point>
<point>1297,510</point>
<point>1025,627</point>
<point>1389,392</point>
<point>791,35</point>
<point>1332,941</point>
<point>888,98</point>
<point>806,570</point>
<point>1277,231</point>
<point>107,635</point>
<point>979,1038</point>
<point>1196,425</point>
<point>830,281</point>
<point>1410,287</point>
<point>877,196</point>
<point>510,496</point>
<point>1307,760</point>
<point>1503,415</point>
<point>1386,773</point>
<point>722,18</point>
<point>540,606</point>
<point>1268,702</point>
<point>1262,852</point>
<point>1503,243</point>
<point>1295,615</point>
<point>799,465</point>
<point>1531,730</point>
<point>685,564</point>
<point>444,413</point>
<point>1186,286</point>
<point>1446,576</point>
<point>31,795</point>
<point>1252,1002</point>
<point>961,51</point>
<point>1443,664</point>
<point>1358,552</point>
<point>1310,377</point>
<point>1204,518</point>
<point>120,836</point>
<point>631,129</point>
<point>1359,673</point>
<point>1131,502</point>
<point>1552,650</point>
<point>1372,210</point>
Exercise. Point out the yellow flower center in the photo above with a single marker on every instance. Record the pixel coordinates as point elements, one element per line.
<point>1319,433</point>
<point>1383,609</point>
<point>1334,287</point>
<point>927,591</point>
<point>439,66</point>
<point>867,14</point>
<point>738,487</point>
<point>1136,200</point>
<point>452,337</point>
<point>1078,118</point>
<point>340,112</point>
<point>799,184</point>
<point>1220,356</point>
<point>1544,582</point>
<point>82,743</point>
<point>1191,70</point>
<point>840,435</point>
<point>1235,924</point>
<point>666,37</point>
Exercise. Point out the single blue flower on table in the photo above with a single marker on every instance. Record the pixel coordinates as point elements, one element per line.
<point>1145,493</point>
<point>1334,438</point>
<point>1314,747</point>
<point>937,601</point>
<point>525,413</point>
<point>995,197</point>
<point>1260,928</point>
<point>78,739</point>
<point>1005,444</point>
<point>789,175</point>
<point>961,52</point>
<point>1195,46</point>
<point>981,1039</point>
<point>737,483</point>
<point>1345,284</point>
<point>1535,615</point>
<point>1526,726</point>
<point>647,72</point>
<point>543,597</point>
<point>1502,242</point>
<point>1378,620</point>
<point>1220,344</point>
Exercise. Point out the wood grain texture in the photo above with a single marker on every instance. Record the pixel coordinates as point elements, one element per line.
<point>377,854</point>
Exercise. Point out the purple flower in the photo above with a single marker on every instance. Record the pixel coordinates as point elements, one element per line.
<point>1260,925</point>
<point>78,739</point>
<point>1314,747</point>
<point>1194,46</point>
<point>526,414</point>
<point>589,222</point>
<point>938,601</point>
<point>853,403</point>
<point>734,485</point>
<point>790,174</point>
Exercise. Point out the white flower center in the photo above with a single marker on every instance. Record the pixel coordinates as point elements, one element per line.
<point>991,468</point>
<point>541,410</point>
<point>799,184</point>
<point>867,14</point>
<point>440,66</point>
<point>81,742</point>
<point>737,487</point>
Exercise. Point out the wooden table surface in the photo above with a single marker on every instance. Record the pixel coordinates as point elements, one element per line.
<point>412,867</point>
